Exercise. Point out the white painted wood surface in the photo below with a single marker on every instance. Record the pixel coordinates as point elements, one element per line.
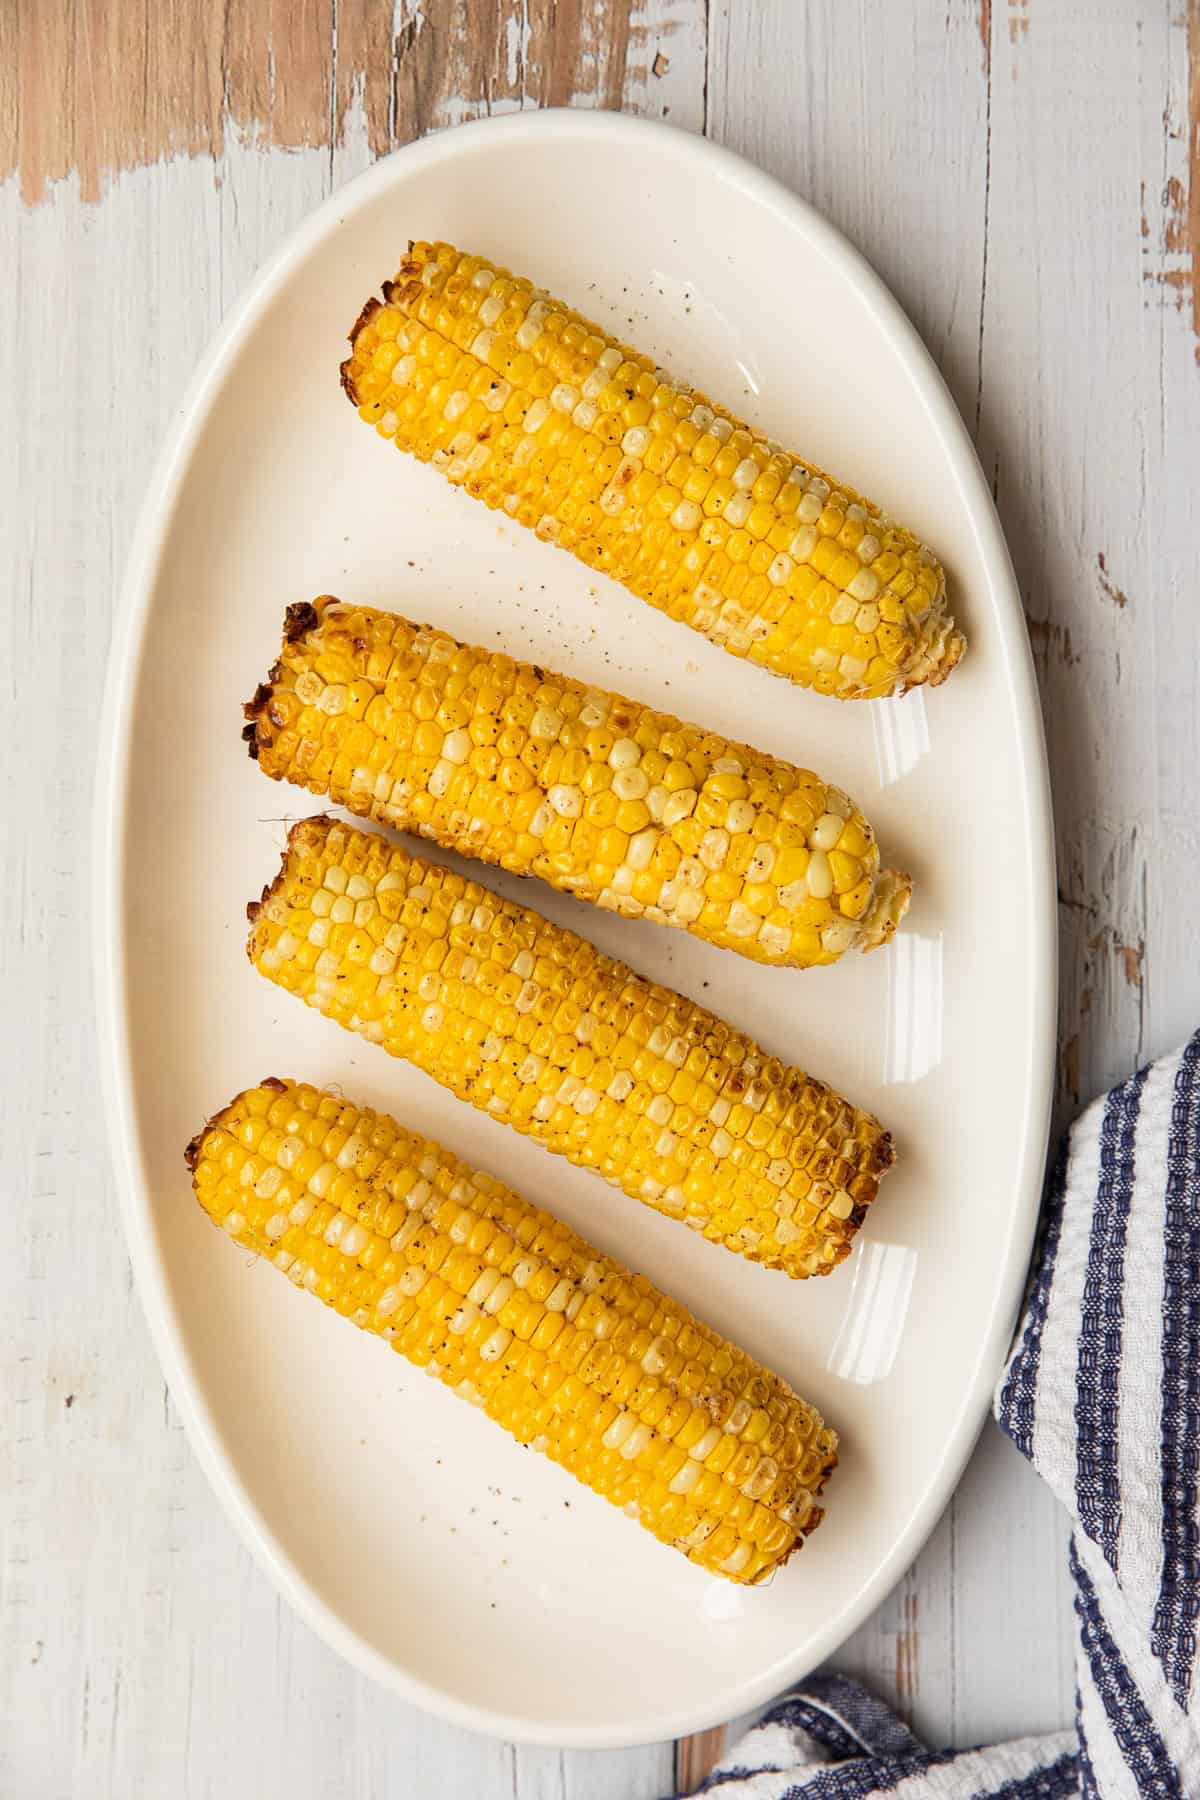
<point>1026,175</point>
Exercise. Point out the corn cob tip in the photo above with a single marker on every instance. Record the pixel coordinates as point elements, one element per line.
<point>893,893</point>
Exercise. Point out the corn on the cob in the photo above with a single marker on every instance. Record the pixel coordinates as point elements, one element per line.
<point>601,797</point>
<point>534,1026</point>
<point>531,408</point>
<point>558,1343</point>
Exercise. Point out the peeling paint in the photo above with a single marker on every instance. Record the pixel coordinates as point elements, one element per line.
<point>908,1651</point>
<point>696,1757</point>
<point>1018,20</point>
<point>1108,586</point>
<point>98,89</point>
<point>1131,958</point>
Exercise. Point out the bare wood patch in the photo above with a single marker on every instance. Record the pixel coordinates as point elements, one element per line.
<point>908,1649</point>
<point>1108,586</point>
<point>697,1756</point>
<point>98,88</point>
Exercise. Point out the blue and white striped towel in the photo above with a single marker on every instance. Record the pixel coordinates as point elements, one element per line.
<point>1102,1394</point>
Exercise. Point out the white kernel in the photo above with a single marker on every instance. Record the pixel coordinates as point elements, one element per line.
<point>826,832</point>
<point>301,1212</point>
<point>609,360</point>
<point>803,544</point>
<point>621,1429</point>
<point>387,1302</point>
<point>433,1018</point>
<point>780,569</point>
<point>355,1240</point>
<point>636,441</point>
<point>493,1347</point>
<point>342,910</point>
<point>722,430</point>
<point>318,933</point>
<point>868,548</point>
<point>729,765</point>
<point>566,800</point>
<point>528,333</point>
<point>866,619</point>
<point>761,863</point>
<point>679,806</point>
<point>691,872</point>
<point>775,939</point>
<point>621,1086</point>
<point>482,1286</point>
<point>564,398</point>
<point>714,847</point>
<point>641,849</point>
<point>818,485</point>
<point>687,516</point>
<point>457,405</point>
<point>541,821</point>
<point>865,585</point>
<point>742,921</point>
<point>489,312</point>
<point>586,1102</point>
<point>819,876</point>
<point>706,1445</point>
<point>738,510</point>
<point>631,784</point>
<point>403,371</point>
<point>440,777</point>
<point>721,1144</point>
<point>656,801</point>
<point>429,986</point>
<point>689,905</point>
<point>585,414</point>
<point>636,1442</point>
<point>853,667</point>
<point>666,1144</point>
<point>546,722</point>
<point>499,1295</point>
<point>839,937</point>
<point>842,611</point>
<point>624,754</point>
<point>660,1109</point>
<point>746,473</point>
<point>528,997</point>
<point>809,511</point>
<point>530,1068</point>
<point>538,413</point>
<point>685,1480</point>
<point>739,817</point>
<point>481,279</point>
<point>482,344</point>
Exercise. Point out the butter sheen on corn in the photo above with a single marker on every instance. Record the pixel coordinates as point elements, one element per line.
<point>603,798</point>
<point>570,1352</point>
<point>536,1027</point>
<point>531,408</point>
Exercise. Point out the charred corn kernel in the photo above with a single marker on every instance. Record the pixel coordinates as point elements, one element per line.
<point>530,408</point>
<point>600,818</point>
<point>457,974</point>
<point>570,1352</point>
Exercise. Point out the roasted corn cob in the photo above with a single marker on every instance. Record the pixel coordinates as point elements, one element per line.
<point>531,408</point>
<point>601,797</point>
<point>559,1344</point>
<point>533,1025</point>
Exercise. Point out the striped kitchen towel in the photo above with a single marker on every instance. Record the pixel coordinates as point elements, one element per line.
<point>1102,1394</point>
